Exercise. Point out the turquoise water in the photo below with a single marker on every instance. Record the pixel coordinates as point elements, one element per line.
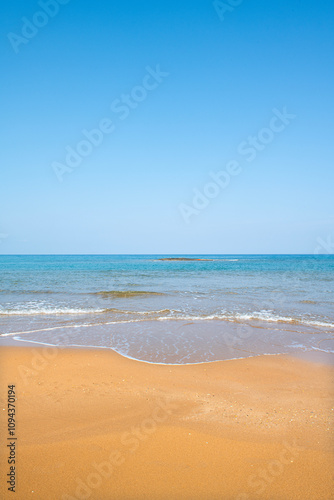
<point>171,311</point>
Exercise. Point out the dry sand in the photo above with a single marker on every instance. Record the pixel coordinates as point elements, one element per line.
<point>93,424</point>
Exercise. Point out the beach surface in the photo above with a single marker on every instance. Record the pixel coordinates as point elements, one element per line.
<point>93,424</point>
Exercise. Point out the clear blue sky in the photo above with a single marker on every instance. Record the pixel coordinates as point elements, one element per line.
<point>130,193</point>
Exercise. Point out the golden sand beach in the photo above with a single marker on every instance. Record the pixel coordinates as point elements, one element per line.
<point>91,424</point>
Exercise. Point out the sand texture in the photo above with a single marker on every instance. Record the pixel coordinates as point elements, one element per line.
<point>93,424</point>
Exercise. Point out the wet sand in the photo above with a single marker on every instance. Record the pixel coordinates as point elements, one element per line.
<point>93,424</point>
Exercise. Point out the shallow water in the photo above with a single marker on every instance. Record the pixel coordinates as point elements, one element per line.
<point>171,311</point>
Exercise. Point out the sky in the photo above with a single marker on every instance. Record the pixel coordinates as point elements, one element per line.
<point>166,126</point>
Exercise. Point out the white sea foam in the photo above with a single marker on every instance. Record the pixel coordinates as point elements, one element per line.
<point>46,310</point>
<point>172,314</point>
<point>259,316</point>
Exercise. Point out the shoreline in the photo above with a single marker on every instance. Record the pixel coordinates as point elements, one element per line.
<point>201,431</point>
<point>311,355</point>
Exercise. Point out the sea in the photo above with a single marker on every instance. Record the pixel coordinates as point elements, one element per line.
<point>170,311</point>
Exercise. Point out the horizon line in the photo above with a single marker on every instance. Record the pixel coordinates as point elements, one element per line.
<point>170,254</point>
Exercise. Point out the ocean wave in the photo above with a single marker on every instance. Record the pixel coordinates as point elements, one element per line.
<point>125,293</point>
<point>46,310</point>
<point>170,314</point>
<point>228,260</point>
<point>70,310</point>
<point>270,317</point>
<point>254,316</point>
